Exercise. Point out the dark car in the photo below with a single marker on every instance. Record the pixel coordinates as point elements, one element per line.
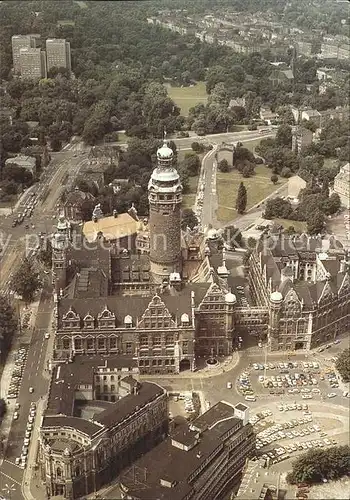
<point>14,223</point>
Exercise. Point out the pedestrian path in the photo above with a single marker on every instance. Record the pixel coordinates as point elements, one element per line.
<point>228,364</point>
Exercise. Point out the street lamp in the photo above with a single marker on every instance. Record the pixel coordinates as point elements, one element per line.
<point>9,489</point>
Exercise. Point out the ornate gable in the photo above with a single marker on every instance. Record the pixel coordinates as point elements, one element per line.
<point>89,321</point>
<point>291,304</point>
<point>71,319</point>
<point>326,294</point>
<point>106,318</point>
<point>215,293</point>
<point>156,315</point>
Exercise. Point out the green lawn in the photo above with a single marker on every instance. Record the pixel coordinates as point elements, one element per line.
<point>258,187</point>
<point>299,226</point>
<point>187,97</point>
<point>189,198</point>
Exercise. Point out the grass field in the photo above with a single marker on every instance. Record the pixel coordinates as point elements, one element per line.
<point>258,187</point>
<point>187,97</point>
<point>189,198</point>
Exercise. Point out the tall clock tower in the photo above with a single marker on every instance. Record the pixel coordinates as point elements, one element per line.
<point>165,197</point>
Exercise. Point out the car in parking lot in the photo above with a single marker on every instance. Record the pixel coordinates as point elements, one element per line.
<point>331,395</point>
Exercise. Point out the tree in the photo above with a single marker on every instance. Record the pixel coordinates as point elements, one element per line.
<point>223,165</point>
<point>26,281</point>
<point>343,365</point>
<point>45,254</point>
<point>331,205</point>
<point>315,222</point>
<point>189,219</point>
<point>286,172</point>
<point>274,178</point>
<point>315,466</point>
<point>278,207</point>
<point>284,136</point>
<point>241,201</point>
<point>197,147</point>
<point>8,324</point>
<point>192,164</point>
<point>248,170</point>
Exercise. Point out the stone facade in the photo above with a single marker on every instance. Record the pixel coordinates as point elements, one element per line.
<point>79,455</point>
<point>306,293</point>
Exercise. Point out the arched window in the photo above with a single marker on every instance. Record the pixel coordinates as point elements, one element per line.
<point>59,472</point>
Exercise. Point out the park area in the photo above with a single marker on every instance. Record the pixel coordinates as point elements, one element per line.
<point>187,97</point>
<point>259,186</point>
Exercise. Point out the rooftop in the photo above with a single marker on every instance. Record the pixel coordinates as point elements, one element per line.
<point>112,228</point>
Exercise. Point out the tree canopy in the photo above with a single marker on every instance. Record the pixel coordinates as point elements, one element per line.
<point>317,465</point>
<point>8,324</point>
<point>343,364</point>
<point>26,282</point>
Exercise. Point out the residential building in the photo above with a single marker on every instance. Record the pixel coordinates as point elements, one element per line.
<point>333,50</point>
<point>58,54</point>
<point>198,460</point>
<point>27,162</point>
<point>267,115</point>
<point>342,185</point>
<point>301,138</point>
<point>97,421</point>
<point>32,63</point>
<point>103,155</point>
<point>74,204</point>
<point>279,76</point>
<point>22,42</point>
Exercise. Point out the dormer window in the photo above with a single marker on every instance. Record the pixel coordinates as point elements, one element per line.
<point>89,321</point>
<point>185,320</point>
<point>128,321</point>
<point>71,319</point>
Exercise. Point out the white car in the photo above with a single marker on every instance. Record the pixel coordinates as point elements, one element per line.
<point>31,390</point>
<point>47,335</point>
<point>15,415</point>
<point>331,395</point>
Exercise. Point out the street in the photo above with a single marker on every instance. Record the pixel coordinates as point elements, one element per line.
<point>47,192</point>
<point>33,376</point>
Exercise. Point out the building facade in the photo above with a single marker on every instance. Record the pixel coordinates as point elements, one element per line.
<point>32,63</point>
<point>200,461</point>
<point>21,42</point>
<point>305,290</point>
<point>342,185</point>
<point>58,54</point>
<point>79,454</point>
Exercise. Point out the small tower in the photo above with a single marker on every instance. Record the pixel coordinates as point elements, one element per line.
<point>59,243</point>
<point>276,300</point>
<point>165,197</point>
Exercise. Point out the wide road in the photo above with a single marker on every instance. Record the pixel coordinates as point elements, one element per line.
<point>63,168</point>
<point>209,170</point>
<point>32,377</point>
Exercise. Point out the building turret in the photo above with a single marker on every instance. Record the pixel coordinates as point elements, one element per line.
<point>165,197</point>
<point>59,243</point>
<point>276,300</point>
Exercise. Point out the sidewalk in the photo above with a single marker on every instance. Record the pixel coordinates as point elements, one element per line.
<point>31,477</point>
<point>8,368</point>
<point>228,364</point>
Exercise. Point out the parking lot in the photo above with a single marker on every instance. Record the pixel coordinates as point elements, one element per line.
<point>16,375</point>
<point>284,430</point>
<point>304,380</point>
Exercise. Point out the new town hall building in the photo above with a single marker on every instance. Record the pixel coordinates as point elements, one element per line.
<point>166,297</point>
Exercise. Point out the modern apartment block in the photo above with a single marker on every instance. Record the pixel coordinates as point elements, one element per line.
<point>22,42</point>
<point>32,63</point>
<point>58,53</point>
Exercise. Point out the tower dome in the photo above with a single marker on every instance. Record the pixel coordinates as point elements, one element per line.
<point>164,152</point>
<point>276,297</point>
<point>230,298</point>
